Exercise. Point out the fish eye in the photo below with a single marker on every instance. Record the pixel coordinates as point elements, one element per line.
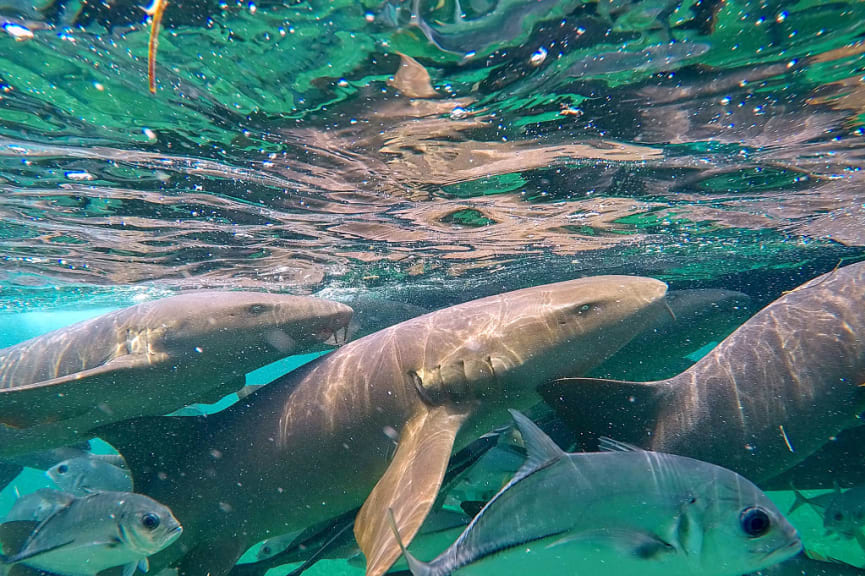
<point>838,516</point>
<point>62,469</point>
<point>150,521</point>
<point>256,309</point>
<point>265,550</point>
<point>755,522</point>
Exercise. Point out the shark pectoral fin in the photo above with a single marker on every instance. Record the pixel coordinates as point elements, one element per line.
<point>408,486</point>
<point>617,409</point>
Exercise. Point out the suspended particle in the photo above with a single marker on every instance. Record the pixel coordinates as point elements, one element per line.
<point>458,113</point>
<point>538,57</point>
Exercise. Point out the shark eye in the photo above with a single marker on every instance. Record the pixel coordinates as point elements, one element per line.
<point>585,308</point>
<point>150,521</point>
<point>755,522</point>
<point>256,308</point>
<point>266,550</point>
<point>62,469</point>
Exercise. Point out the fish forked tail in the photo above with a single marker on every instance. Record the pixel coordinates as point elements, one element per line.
<point>800,501</point>
<point>416,567</point>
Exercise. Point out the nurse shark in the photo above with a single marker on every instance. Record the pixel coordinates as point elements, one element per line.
<point>373,423</point>
<point>772,393</point>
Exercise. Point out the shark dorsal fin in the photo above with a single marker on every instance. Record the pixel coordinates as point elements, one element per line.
<point>607,444</point>
<point>541,449</point>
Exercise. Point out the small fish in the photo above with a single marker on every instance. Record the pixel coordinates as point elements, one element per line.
<point>624,512</point>
<point>843,512</point>
<point>91,473</point>
<point>89,534</point>
<point>273,546</point>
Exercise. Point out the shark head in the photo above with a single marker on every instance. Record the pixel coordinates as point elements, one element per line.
<point>517,340</point>
<point>238,323</point>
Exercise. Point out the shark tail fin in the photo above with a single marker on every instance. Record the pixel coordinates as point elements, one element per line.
<point>416,567</point>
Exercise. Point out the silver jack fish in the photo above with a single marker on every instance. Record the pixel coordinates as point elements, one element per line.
<point>89,473</point>
<point>629,512</point>
<point>72,536</point>
<point>843,512</point>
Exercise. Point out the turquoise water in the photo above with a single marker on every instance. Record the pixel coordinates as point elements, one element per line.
<point>426,153</point>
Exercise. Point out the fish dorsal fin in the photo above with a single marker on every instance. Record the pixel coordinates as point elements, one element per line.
<point>627,411</point>
<point>540,448</point>
<point>408,486</point>
<point>113,459</point>
<point>607,444</point>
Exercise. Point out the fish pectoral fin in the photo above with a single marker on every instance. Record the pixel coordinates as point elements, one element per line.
<point>408,486</point>
<point>643,545</point>
<point>129,569</point>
